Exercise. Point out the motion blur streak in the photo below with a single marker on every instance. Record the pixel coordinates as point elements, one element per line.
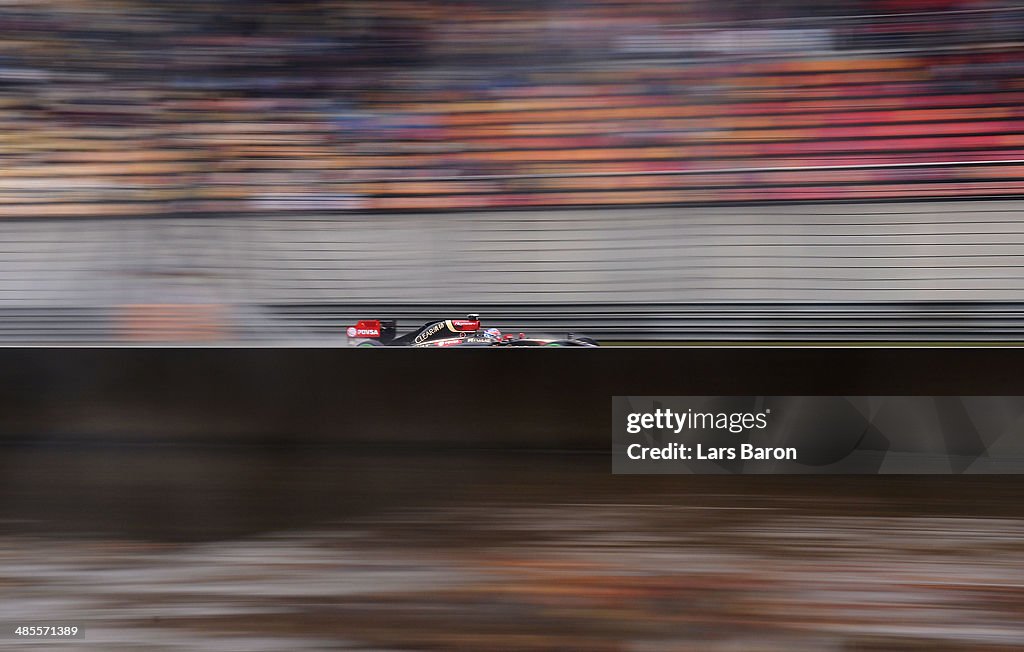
<point>233,172</point>
<point>223,172</point>
<point>320,551</point>
<point>227,499</point>
<point>946,271</point>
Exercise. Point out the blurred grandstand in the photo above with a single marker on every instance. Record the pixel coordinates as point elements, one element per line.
<point>267,171</point>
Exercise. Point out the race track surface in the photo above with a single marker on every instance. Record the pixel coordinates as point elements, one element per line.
<point>326,550</point>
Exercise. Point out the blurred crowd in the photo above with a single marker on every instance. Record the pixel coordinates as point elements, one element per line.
<point>132,108</point>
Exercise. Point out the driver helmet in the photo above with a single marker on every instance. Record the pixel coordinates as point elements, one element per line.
<point>492,334</point>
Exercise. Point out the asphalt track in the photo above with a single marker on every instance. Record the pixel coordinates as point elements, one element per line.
<point>445,500</point>
<point>245,549</point>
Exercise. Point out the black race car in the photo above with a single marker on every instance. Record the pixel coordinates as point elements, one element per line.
<point>449,332</point>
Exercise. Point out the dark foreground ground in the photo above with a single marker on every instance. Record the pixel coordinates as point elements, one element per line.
<point>174,548</point>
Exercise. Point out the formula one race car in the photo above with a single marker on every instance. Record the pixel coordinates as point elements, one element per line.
<point>449,332</point>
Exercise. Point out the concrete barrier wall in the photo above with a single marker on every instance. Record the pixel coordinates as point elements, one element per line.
<point>951,251</point>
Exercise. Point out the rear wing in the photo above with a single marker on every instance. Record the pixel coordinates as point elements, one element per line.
<point>377,329</point>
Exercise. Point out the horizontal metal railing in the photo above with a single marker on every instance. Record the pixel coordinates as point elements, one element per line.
<point>697,322</point>
<point>325,324</point>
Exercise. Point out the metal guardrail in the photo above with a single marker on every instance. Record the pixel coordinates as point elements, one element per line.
<point>709,322</point>
<point>324,324</point>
